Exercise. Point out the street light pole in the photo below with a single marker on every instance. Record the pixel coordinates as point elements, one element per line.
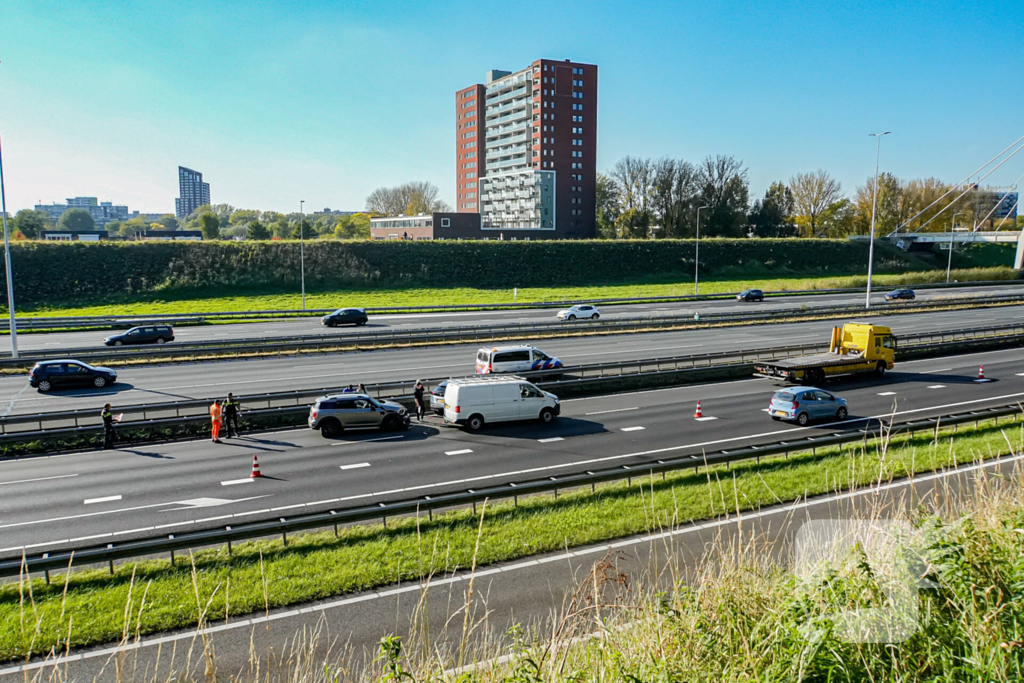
<point>302,253</point>
<point>7,259</point>
<point>874,206</point>
<point>696,260</point>
<point>952,229</point>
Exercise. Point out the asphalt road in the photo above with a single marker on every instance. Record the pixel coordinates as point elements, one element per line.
<point>161,383</point>
<point>89,498</point>
<point>297,326</point>
<point>342,633</point>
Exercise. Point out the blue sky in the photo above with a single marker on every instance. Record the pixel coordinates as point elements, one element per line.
<point>324,101</point>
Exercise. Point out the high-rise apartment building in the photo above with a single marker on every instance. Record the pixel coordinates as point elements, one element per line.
<point>192,191</point>
<point>526,149</point>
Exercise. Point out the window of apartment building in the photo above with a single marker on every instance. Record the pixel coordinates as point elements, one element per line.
<point>577,106</point>
<point>536,93</point>
<point>576,142</point>
<point>467,145</point>
<point>536,129</point>
<point>578,71</point>
<point>470,124</point>
<point>471,195</point>
<point>471,205</point>
<point>577,131</point>
<point>471,175</point>
<point>577,84</point>
<point>576,118</point>
<point>536,105</point>
<point>467,105</point>
<point>471,164</point>
<point>576,153</point>
<point>577,96</point>
<point>470,113</point>
<point>468,93</point>
<point>470,155</point>
<point>577,177</point>
<point>470,134</point>
<point>470,185</point>
<point>577,165</point>
<point>536,153</point>
<point>536,117</point>
<point>575,188</point>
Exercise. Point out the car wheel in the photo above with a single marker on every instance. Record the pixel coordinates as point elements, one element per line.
<point>330,428</point>
<point>361,323</point>
<point>572,317</point>
<point>44,386</point>
<point>547,416</point>
<point>391,423</point>
<point>802,419</point>
<point>880,368</point>
<point>99,382</point>
<point>475,423</point>
<point>160,340</point>
<point>842,413</point>
<point>596,316</point>
<point>119,343</point>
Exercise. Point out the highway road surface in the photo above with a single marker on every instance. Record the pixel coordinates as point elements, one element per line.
<point>211,379</point>
<point>88,498</point>
<point>298,326</point>
<point>532,592</point>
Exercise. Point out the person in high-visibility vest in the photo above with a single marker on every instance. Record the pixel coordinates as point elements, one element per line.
<point>231,409</point>
<point>216,415</point>
<point>108,427</point>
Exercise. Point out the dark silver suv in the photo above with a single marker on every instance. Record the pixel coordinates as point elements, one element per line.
<point>334,414</point>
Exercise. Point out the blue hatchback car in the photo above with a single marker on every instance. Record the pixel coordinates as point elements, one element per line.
<point>803,404</point>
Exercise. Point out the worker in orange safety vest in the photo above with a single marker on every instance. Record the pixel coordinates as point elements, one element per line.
<point>216,416</point>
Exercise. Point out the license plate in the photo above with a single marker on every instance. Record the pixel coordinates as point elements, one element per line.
<point>781,413</point>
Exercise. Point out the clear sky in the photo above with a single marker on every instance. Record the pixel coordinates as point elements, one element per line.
<point>279,101</point>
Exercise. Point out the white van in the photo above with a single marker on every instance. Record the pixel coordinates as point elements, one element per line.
<point>498,359</point>
<point>476,401</point>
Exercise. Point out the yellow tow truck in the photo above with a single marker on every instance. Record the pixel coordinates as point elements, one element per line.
<point>854,348</point>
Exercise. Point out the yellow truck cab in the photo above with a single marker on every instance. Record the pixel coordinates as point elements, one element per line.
<point>854,348</point>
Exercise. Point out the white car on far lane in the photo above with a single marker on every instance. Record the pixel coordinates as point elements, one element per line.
<point>581,311</point>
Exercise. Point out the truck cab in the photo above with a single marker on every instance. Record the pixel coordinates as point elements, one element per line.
<point>854,348</point>
<point>873,342</point>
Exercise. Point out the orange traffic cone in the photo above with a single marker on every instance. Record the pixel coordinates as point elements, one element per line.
<point>256,474</point>
<point>981,372</point>
<point>698,413</point>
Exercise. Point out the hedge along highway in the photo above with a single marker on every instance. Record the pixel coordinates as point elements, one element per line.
<point>184,486</point>
<point>214,379</point>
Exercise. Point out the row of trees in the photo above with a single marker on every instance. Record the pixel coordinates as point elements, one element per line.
<point>641,198</point>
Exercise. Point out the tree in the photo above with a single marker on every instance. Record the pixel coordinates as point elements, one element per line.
<point>257,231</point>
<point>606,207</point>
<point>31,223</point>
<point>75,220</point>
<point>168,221</point>
<point>243,217</point>
<point>889,210</point>
<point>772,216</point>
<point>356,226</point>
<point>724,190</point>
<point>409,199</point>
<point>280,228</point>
<point>210,225</point>
<point>307,230</point>
<point>813,194</point>
<point>632,178</point>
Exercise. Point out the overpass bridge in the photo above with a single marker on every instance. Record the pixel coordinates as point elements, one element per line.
<point>909,241</point>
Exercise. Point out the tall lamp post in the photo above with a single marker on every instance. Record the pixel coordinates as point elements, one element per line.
<point>874,206</point>
<point>7,259</point>
<point>952,229</point>
<point>696,260</point>
<point>302,253</point>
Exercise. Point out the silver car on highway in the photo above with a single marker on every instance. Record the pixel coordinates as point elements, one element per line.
<point>332,415</point>
<point>580,311</point>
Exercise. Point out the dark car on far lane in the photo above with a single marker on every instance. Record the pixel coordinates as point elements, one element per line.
<point>901,295</point>
<point>750,295</point>
<point>143,334</point>
<point>66,374</point>
<point>345,316</point>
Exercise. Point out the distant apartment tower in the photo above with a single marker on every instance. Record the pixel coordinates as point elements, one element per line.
<point>526,150</point>
<point>192,191</point>
<point>101,212</point>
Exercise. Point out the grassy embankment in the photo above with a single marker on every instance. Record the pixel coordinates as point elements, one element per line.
<point>171,303</point>
<point>92,607</point>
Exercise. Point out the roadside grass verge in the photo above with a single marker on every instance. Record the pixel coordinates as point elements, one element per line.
<point>91,607</point>
<point>186,302</point>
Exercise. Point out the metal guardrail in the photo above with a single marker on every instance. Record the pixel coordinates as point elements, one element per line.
<point>185,318</point>
<point>85,422</point>
<point>55,560</point>
<point>484,332</point>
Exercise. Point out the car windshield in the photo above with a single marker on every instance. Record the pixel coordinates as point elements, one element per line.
<point>340,311</point>
<point>784,396</point>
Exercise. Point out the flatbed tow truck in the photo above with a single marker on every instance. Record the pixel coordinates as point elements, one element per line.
<point>855,348</point>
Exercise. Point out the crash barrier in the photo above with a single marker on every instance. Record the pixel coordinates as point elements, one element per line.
<point>107,553</point>
<point>489,333</point>
<point>119,322</point>
<point>574,381</point>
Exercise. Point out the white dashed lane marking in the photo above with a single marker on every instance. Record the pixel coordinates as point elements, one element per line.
<point>617,410</point>
<point>937,386</point>
<point>887,393</point>
<point>464,451</point>
<point>104,499</point>
<point>232,482</point>
<point>550,440</point>
<point>705,418</point>
<point>632,429</point>
<point>355,466</point>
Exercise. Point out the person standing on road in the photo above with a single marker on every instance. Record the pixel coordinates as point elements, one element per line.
<point>417,394</point>
<point>216,415</point>
<point>231,410</point>
<point>362,389</point>
<point>108,427</point>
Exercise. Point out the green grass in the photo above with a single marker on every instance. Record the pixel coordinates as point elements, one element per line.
<point>35,617</point>
<point>168,303</point>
